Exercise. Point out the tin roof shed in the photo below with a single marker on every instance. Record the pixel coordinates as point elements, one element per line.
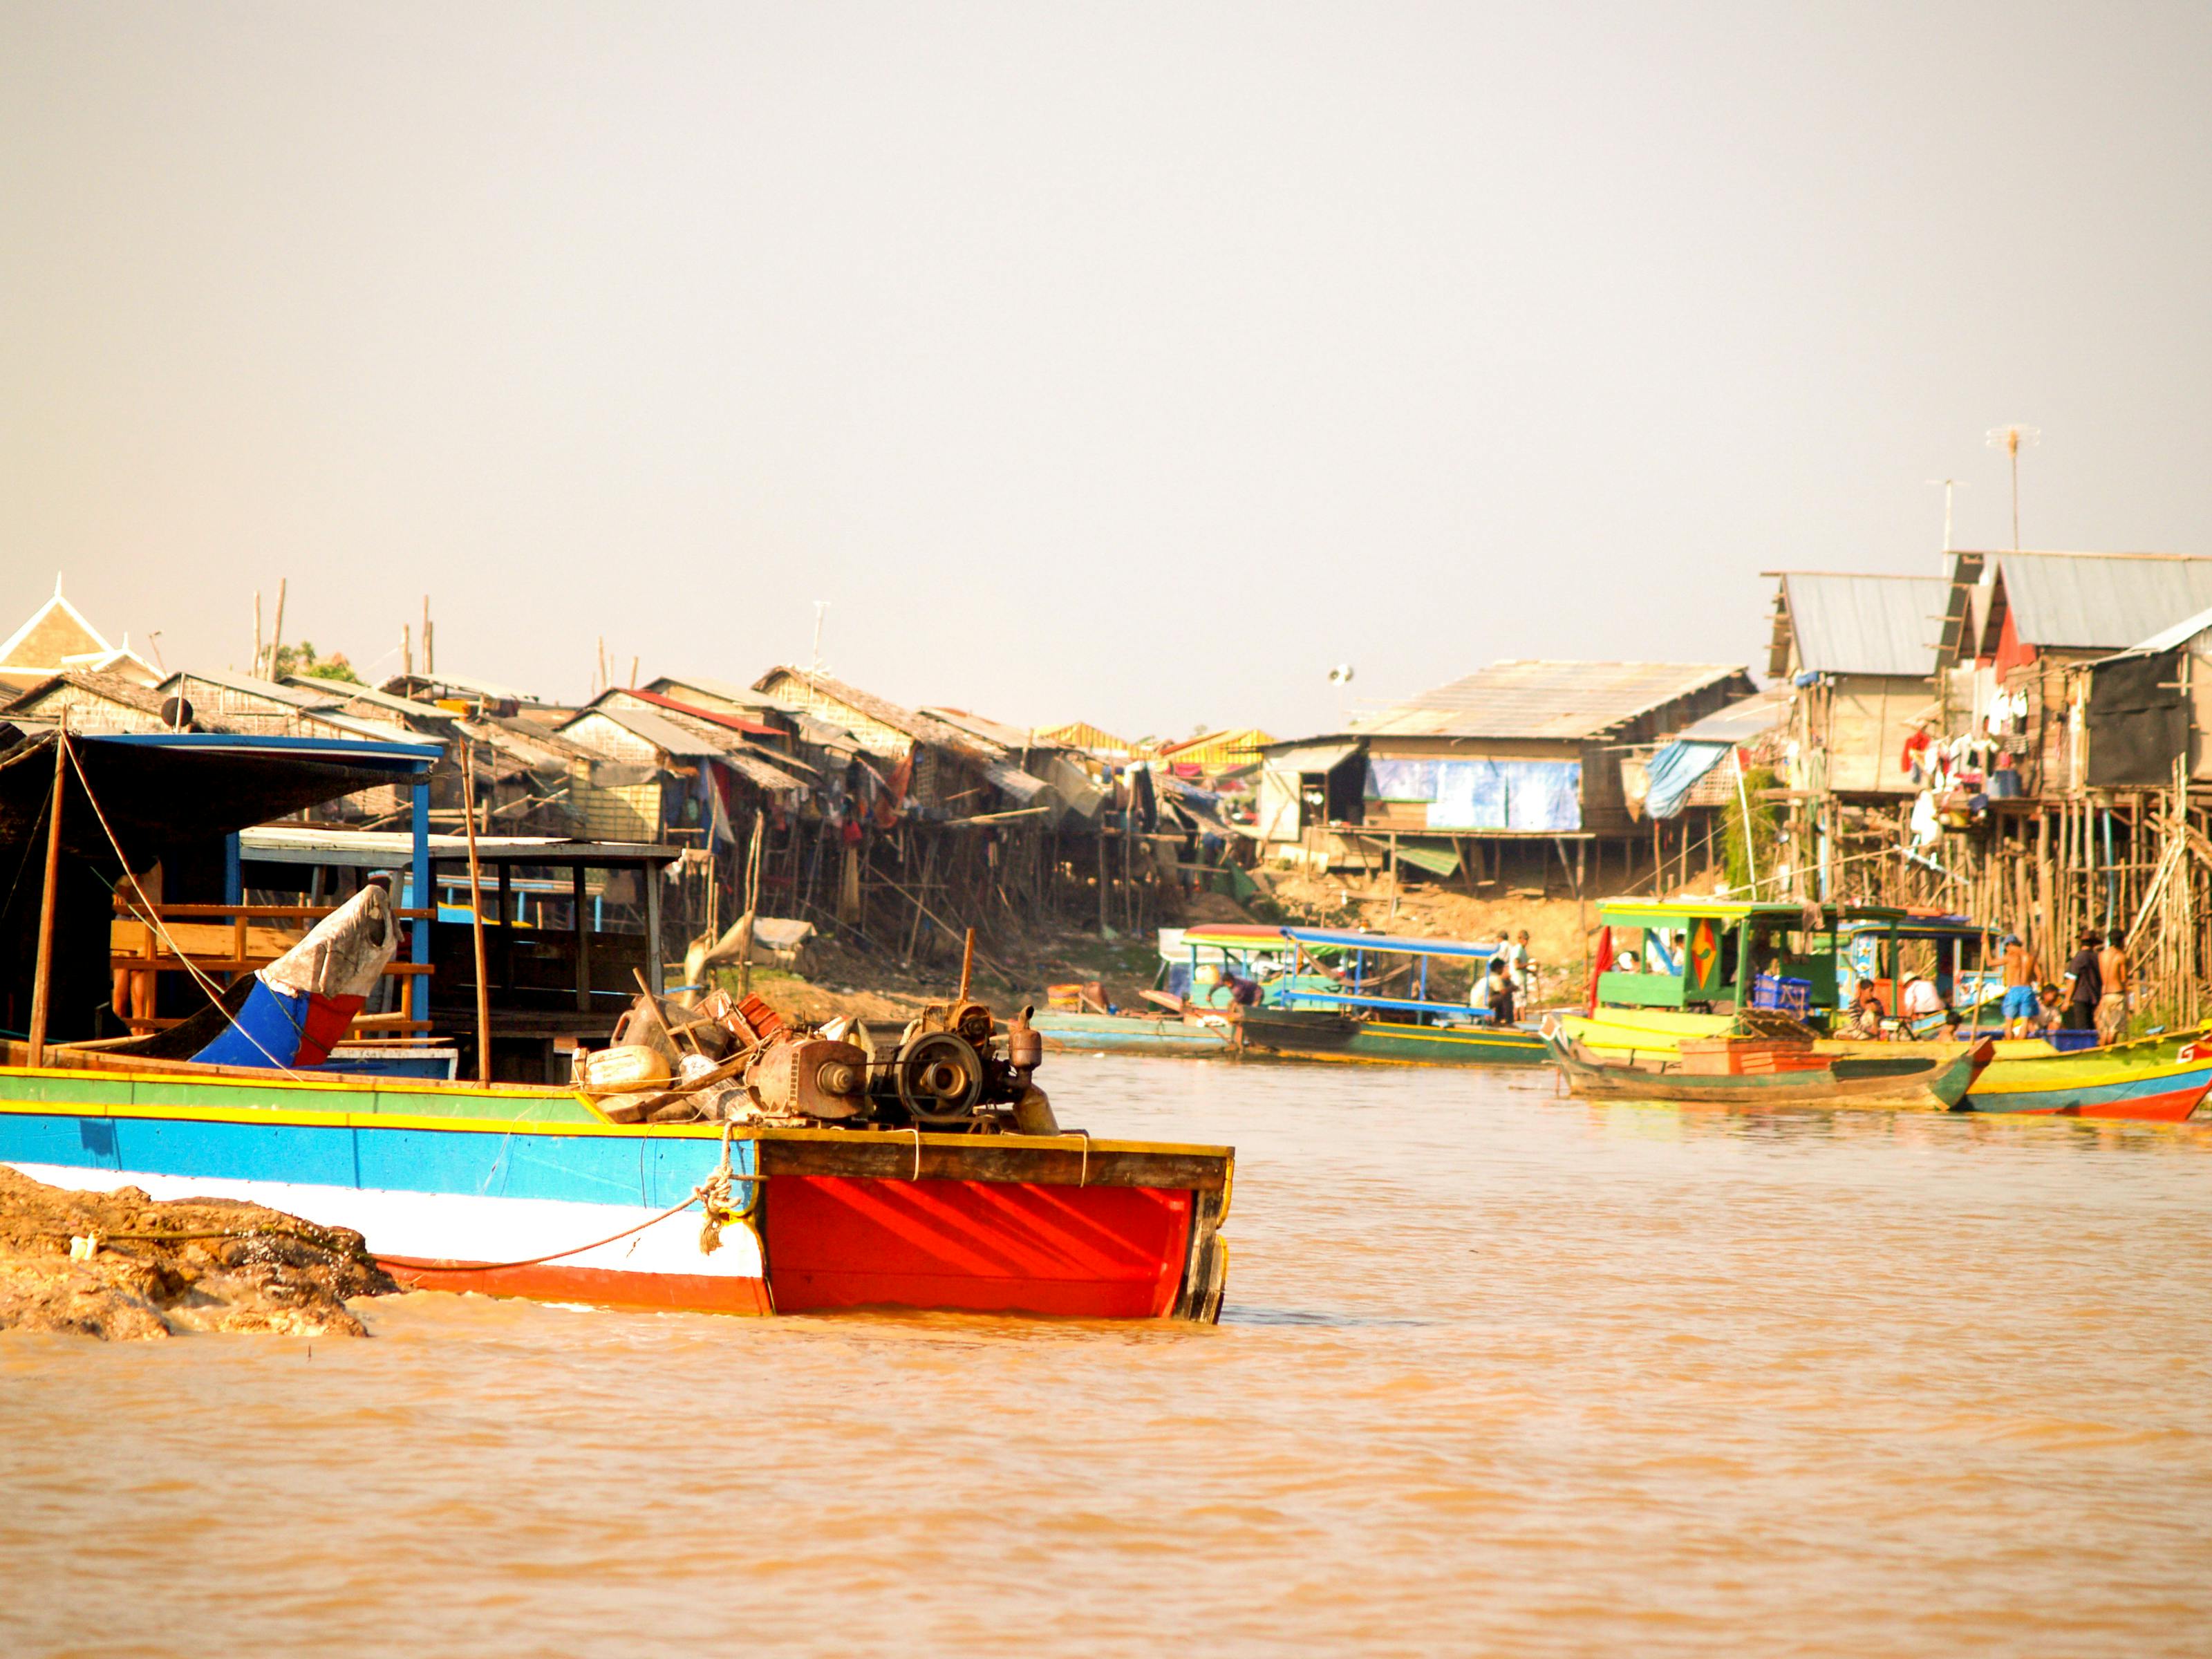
<point>1558,701</point>
<point>1856,625</point>
<point>2073,601</point>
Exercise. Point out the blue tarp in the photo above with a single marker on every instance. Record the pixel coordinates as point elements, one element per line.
<point>1484,794</point>
<point>1674,771</point>
<point>1401,779</point>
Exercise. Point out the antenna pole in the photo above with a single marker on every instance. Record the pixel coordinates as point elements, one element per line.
<point>820,606</point>
<point>1948,485</point>
<point>2010,438</point>
<point>2012,447</point>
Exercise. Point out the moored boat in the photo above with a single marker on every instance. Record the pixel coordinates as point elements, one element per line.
<point>2154,1079</point>
<point>713,1156</point>
<point>1191,1036</point>
<point>1910,1081</point>
<point>1343,1035</point>
<point>1365,998</point>
<point>532,1192</point>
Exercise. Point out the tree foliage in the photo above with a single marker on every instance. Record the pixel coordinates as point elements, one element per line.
<point>1765,832</point>
<point>300,658</point>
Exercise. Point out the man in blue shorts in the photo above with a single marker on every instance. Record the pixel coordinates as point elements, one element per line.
<point>2022,974</point>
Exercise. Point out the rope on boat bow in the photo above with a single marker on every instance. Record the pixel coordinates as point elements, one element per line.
<point>714,1193</point>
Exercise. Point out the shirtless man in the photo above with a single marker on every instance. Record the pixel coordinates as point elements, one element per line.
<point>2022,972</point>
<point>2112,1006</point>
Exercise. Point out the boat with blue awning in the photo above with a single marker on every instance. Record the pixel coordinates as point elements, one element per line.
<point>1359,997</point>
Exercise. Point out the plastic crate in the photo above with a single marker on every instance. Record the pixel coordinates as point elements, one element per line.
<point>1782,994</point>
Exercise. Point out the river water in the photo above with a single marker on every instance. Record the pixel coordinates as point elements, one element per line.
<point>1501,1373</point>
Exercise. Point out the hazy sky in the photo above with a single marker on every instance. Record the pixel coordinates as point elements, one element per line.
<point>1131,363</point>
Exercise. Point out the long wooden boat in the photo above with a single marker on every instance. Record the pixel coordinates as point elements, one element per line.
<point>1331,1035</point>
<point>2164,1078</point>
<point>2155,1079</point>
<point>1201,1037</point>
<point>1921,1081</point>
<point>532,1192</point>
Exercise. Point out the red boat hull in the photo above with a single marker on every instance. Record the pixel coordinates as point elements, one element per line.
<point>984,1246</point>
<point>603,1287</point>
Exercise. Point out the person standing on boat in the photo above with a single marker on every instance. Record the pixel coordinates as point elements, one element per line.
<point>2022,972</point>
<point>1502,990</point>
<point>2085,984</point>
<point>1521,967</point>
<point>2113,1008</point>
<point>132,997</point>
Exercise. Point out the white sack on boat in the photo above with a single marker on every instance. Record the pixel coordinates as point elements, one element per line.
<point>344,953</point>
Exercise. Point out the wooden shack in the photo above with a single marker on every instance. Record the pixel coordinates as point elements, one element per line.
<point>1523,752</point>
<point>1861,652</point>
<point>2021,628</point>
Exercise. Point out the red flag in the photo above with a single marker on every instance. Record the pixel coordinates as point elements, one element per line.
<point>1598,963</point>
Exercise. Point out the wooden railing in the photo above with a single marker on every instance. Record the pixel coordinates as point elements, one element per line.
<point>243,958</point>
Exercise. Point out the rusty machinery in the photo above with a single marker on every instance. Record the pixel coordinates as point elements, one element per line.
<point>949,1070</point>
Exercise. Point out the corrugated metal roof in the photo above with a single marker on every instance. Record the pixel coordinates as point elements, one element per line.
<point>2179,635</point>
<point>1851,624</point>
<point>743,696</point>
<point>977,726</point>
<point>656,729</point>
<point>677,706</point>
<point>296,696</point>
<point>2108,601</point>
<point>1012,780</point>
<point>773,779</point>
<point>1309,756</point>
<point>1743,721</point>
<point>918,727</point>
<point>1547,700</point>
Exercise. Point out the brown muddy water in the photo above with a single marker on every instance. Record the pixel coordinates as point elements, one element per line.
<point>1502,1373</point>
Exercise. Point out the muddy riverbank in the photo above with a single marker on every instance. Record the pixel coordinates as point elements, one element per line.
<point>121,1266</point>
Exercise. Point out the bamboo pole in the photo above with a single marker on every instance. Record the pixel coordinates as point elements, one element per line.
<point>2043,916</point>
<point>475,913</point>
<point>277,632</point>
<point>42,975</point>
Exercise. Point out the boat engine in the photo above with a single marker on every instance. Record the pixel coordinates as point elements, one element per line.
<point>952,1071</point>
<point>808,1077</point>
<point>951,1068</point>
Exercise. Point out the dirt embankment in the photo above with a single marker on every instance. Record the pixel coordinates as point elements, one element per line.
<point>885,991</point>
<point>159,1268</point>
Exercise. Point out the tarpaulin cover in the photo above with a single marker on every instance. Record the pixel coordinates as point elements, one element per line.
<point>345,952</point>
<point>1401,779</point>
<point>1674,771</point>
<point>1438,858</point>
<point>1506,794</point>
<point>2138,721</point>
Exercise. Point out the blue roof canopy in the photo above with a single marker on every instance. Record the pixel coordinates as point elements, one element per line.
<point>1390,943</point>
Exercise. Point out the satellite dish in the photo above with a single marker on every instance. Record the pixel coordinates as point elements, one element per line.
<point>176,714</point>
<point>1340,675</point>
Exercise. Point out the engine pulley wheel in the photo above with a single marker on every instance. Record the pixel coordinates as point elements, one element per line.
<point>940,1076</point>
